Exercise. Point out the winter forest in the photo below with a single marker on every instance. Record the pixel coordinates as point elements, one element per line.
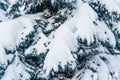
<point>59,39</point>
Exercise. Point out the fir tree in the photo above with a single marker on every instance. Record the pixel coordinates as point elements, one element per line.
<point>60,40</point>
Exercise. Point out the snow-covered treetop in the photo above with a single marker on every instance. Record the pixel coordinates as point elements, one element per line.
<point>55,38</point>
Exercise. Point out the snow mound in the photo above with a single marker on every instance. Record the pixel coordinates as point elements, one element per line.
<point>16,71</point>
<point>13,30</point>
<point>84,23</point>
<point>66,43</point>
<point>11,34</point>
<point>88,28</point>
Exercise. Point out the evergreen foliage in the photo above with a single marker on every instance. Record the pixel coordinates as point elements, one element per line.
<point>61,40</point>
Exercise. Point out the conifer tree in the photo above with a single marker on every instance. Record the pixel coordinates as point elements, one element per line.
<point>60,40</point>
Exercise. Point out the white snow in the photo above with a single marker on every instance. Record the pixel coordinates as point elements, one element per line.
<point>9,30</point>
<point>117,2</point>
<point>112,65</point>
<point>84,25</point>
<point>83,21</point>
<point>12,31</point>
<point>81,25</point>
<point>66,42</point>
<point>3,55</point>
<point>10,35</point>
<point>2,16</point>
<point>13,1</point>
<point>16,71</point>
<point>111,5</point>
<point>105,34</point>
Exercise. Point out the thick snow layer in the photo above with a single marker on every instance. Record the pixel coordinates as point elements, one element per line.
<point>54,1</point>
<point>62,48</point>
<point>112,65</point>
<point>14,30</point>
<point>101,72</point>
<point>16,71</point>
<point>3,55</point>
<point>102,69</point>
<point>86,26</point>
<point>26,24</point>
<point>11,33</point>
<point>117,2</point>
<point>105,66</point>
<point>111,5</point>
<point>4,58</point>
<point>2,16</point>
<point>9,29</point>
<point>66,43</point>
<point>83,21</point>
<point>12,1</point>
<point>105,34</point>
